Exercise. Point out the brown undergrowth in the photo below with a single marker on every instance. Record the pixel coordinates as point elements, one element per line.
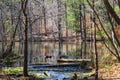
<point>111,73</point>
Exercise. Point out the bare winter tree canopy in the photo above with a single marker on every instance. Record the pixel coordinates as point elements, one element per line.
<point>59,39</point>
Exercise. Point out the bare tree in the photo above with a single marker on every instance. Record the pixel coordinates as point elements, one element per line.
<point>59,20</point>
<point>114,50</point>
<point>44,14</point>
<point>111,11</point>
<point>24,10</point>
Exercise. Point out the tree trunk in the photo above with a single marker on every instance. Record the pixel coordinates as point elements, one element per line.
<point>95,45</point>
<point>111,11</point>
<point>84,28</point>
<point>119,3</point>
<point>66,20</point>
<point>80,9</point>
<point>24,9</point>
<point>44,13</point>
<point>59,21</point>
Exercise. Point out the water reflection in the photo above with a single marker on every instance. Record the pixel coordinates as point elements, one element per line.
<point>42,52</point>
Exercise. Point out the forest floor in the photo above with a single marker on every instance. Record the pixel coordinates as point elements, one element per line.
<point>107,73</point>
<point>110,73</point>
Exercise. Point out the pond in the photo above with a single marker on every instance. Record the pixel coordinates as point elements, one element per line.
<point>49,52</point>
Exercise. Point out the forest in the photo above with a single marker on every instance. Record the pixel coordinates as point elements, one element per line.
<point>59,39</point>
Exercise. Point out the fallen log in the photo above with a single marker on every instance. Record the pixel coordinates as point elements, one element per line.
<point>55,65</point>
<point>73,60</point>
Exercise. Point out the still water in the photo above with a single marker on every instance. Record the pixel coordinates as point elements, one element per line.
<point>49,52</point>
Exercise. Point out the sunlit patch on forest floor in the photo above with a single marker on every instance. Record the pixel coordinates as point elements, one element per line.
<point>110,73</point>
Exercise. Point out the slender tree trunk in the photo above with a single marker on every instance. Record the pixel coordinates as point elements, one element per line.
<point>20,30</point>
<point>81,52</point>
<point>2,33</point>
<point>44,13</point>
<point>59,26</point>
<point>95,45</point>
<point>11,12</point>
<point>66,19</point>
<point>84,27</point>
<point>30,26</point>
<point>59,21</point>
<point>80,10</point>
<point>24,9</point>
<point>96,56</point>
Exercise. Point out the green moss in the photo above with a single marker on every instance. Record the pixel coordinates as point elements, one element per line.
<point>17,70</point>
